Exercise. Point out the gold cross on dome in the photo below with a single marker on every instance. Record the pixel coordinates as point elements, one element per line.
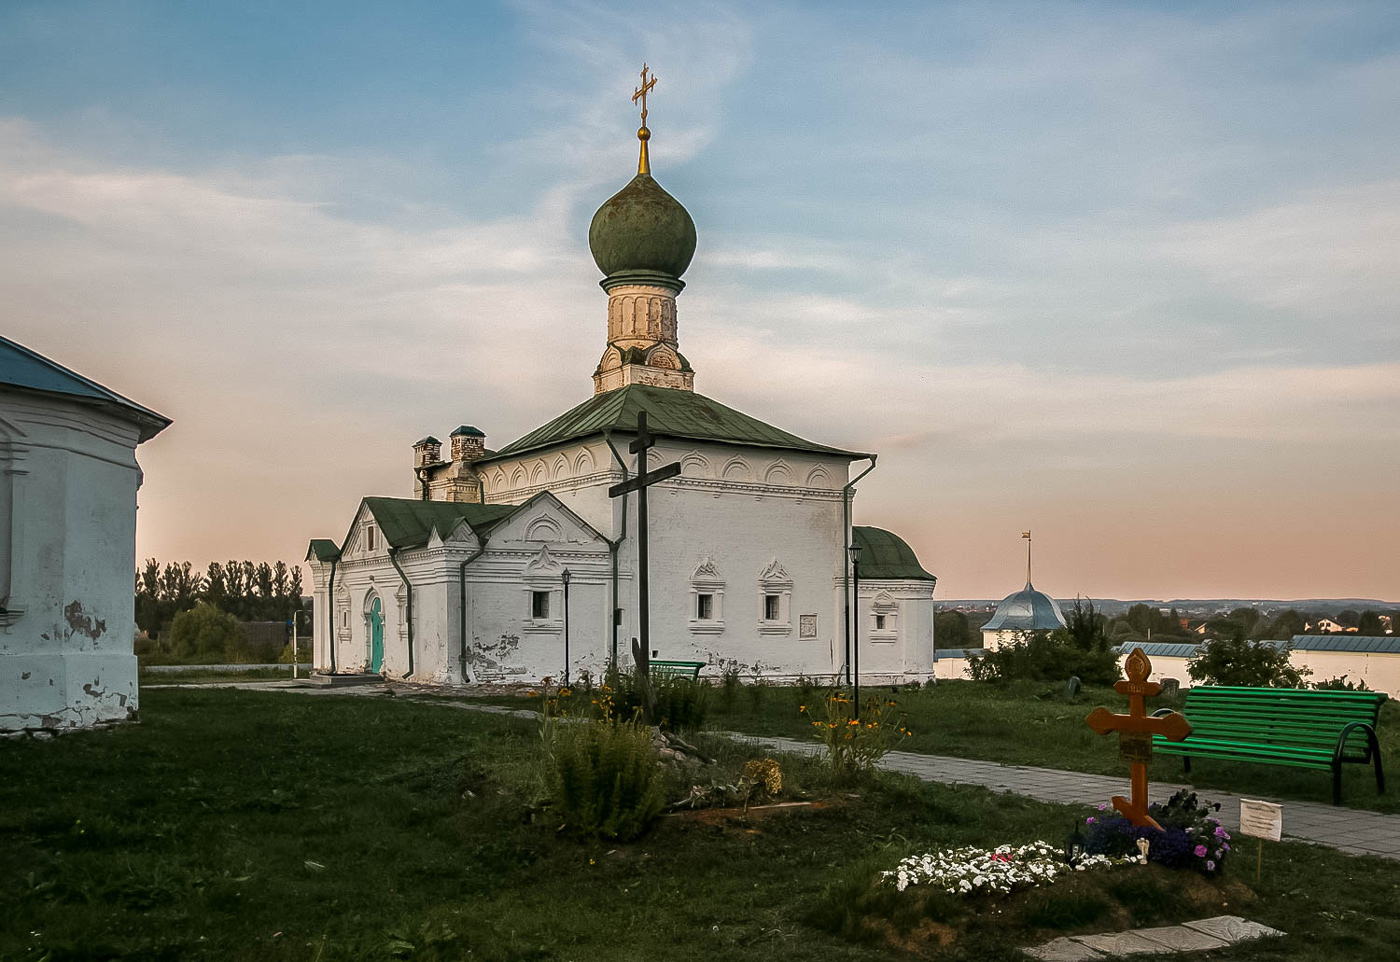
<point>643,158</point>
<point>641,92</point>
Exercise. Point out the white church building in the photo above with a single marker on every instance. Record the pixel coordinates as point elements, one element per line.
<point>501,560</point>
<point>68,482</point>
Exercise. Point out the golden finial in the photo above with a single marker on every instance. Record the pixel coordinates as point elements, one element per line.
<point>644,161</point>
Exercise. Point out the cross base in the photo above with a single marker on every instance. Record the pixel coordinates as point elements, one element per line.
<point>1135,814</point>
<point>1135,809</point>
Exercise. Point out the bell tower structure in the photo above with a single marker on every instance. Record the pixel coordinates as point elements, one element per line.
<point>643,240</point>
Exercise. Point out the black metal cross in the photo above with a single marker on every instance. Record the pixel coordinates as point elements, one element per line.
<point>640,446</point>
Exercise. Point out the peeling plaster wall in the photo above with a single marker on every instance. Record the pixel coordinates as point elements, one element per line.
<point>66,657</point>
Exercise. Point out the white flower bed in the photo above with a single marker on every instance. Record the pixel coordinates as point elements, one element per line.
<point>968,870</point>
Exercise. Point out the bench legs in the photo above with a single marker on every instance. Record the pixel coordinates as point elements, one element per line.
<point>1186,764</point>
<point>1373,749</point>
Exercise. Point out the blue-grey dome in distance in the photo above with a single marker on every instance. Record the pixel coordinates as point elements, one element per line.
<point>1027,610</point>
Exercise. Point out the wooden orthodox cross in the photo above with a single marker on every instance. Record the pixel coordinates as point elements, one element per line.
<point>641,444</point>
<point>1135,731</point>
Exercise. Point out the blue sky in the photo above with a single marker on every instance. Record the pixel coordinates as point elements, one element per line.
<point>1123,273</point>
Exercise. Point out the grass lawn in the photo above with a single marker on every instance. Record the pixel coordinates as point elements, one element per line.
<point>204,676</point>
<point>232,824</point>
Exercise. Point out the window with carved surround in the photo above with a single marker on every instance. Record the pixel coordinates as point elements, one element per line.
<point>706,599</point>
<point>883,622</point>
<point>543,602</point>
<point>775,600</point>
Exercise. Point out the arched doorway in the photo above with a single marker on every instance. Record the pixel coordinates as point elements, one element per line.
<point>376,637</point>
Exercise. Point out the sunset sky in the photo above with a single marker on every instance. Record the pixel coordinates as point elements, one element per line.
<point>1126,274</point>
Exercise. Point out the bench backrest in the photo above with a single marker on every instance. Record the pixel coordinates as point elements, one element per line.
<point>1280,716</point>
<point>676,669</point>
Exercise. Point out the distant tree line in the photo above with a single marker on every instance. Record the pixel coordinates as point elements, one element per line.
<point>247,591</point>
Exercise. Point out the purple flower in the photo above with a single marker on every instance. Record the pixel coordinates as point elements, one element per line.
<point>1219,832</point>
<point>1090,820</point>
<point>1200,851</point>
<point>1226,846</point>
<point>1210,866</point>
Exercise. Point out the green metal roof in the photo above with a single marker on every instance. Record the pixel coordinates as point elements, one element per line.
<point>1160,649</point>
<point>671,413</point>
<point>408,522</point>
<point>1377,644</point>
<point>31,371</point>
<point>323,550</point>
<point>885,554</point>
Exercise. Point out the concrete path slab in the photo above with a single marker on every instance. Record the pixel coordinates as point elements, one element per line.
<point>1351,830</point>
<point>1199,936</point>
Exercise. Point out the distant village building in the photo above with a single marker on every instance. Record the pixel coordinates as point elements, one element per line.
<point>1022,613</point>
<point>1327,626</point>
<point>68,482</point>
<point>504,558</point>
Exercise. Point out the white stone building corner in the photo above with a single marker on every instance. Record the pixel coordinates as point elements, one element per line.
<point>68,483</point>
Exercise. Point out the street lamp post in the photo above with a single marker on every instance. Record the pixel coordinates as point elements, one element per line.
<point>565,577</point>
<point>855,628</point>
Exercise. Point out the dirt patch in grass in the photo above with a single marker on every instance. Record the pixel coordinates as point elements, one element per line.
<point>743,816</point>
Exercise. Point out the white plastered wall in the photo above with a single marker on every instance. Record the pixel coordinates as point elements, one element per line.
<point>768,521</point>
<point>71,479</point>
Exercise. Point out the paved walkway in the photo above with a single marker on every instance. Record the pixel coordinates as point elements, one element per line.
<point>1349,829</point>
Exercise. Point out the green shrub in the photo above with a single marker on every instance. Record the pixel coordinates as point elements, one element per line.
<point>854,745</point>
<point>604,777</point>
<point>729,679</point>
<point>205,632</point>
<point>1340,684</point>
<point>1045,656</point>
<point>681,704</point>
<point>303,652</point>
<point>1239,661</point>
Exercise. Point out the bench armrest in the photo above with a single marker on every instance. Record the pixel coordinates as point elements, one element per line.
<point>1373,744</point>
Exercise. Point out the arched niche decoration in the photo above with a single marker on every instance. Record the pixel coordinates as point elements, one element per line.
<point>584,464</point>
<point>736,469</point>
<point>695,465</point>
<point>544,528</point>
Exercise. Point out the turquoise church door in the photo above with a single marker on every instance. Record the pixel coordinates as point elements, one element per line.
<point>376,637</point>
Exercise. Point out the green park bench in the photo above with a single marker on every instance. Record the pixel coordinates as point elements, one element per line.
<point>676,669</point>
<point>1281,726</point>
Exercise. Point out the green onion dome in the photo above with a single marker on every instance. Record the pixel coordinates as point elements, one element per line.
<point>642,235</point>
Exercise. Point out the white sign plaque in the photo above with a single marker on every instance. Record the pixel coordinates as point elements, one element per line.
<point>1261,819</point>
